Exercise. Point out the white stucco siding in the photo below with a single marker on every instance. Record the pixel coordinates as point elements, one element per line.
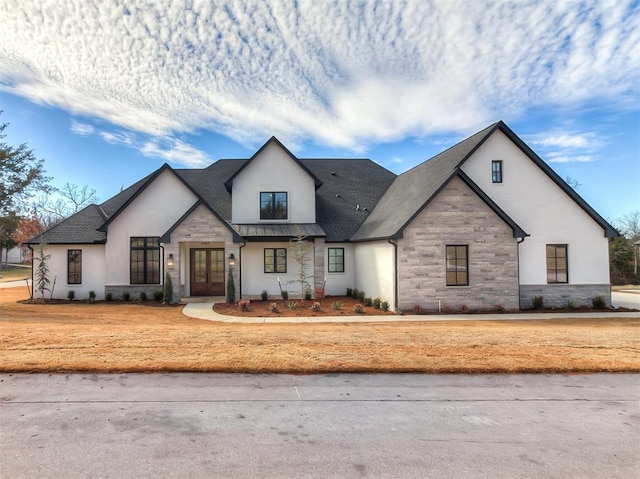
<point>255,280</point>
<point>544,211</point>
<point>375,270</point>
<point>152,213</point>
<point>337,283</point>
<point>273,170</point>
<point>93,271</point>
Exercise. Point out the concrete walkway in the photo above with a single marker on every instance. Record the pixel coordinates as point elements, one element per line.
<point>205,311</point>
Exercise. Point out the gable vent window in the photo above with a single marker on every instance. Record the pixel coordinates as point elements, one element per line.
<point>273,205</point>
<point>496,171</point>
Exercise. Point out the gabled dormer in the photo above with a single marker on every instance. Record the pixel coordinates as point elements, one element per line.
<point>273,186</point>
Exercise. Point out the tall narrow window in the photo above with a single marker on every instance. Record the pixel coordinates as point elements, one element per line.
<point>336,260</point>
<point>275,260</point>
<point>145,260</point>
<point>273,205</point>
<point>457,265</point>
<point>74,266</point>
<point>496,171</point>
<point>557,264</point>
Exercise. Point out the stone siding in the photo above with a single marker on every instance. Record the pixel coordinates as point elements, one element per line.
<point>457,216</point>
<point>134,290</point>
<point>557,295</point>
<point>200,226</point>
<point>318,263</point>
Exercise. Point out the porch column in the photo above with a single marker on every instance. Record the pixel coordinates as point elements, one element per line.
<point>318,263</point>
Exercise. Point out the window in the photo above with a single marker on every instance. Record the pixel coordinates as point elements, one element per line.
<point>273,205</point>
<point>145,260</point>
<point>496,171</point>
<point>557,264</point>
<point>74,266</point>
<point>275,260</point>
<point>457,265</point>
<point>336,260</point>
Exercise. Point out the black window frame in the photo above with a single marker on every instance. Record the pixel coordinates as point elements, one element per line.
<point>74,266</point>
<point>496,171</point>
<point>274,253</point>
<point>271,206</point>
<point>150,247</point>
<point>552,263</point>
<point>453,266</point>
<point>335,264</point>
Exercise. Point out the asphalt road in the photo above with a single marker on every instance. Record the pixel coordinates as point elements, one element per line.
<point>403,426</point>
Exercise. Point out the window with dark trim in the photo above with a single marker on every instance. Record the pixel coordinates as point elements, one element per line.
<point>496,171</point>
<point>74,266</point>
<point>336,260</point>
<point>145,260</point>
<point>457,265</point>
<point>273,205</point>
<point>275,260</point>
<point>557,264</point>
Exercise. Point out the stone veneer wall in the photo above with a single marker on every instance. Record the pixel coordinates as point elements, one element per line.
<point>134,290</point>
<point>200,226</point>
<point>557,295</point>
<point>318,263</point>
<point>457,216</point>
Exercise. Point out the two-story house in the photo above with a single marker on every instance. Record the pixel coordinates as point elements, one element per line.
<point>484,223</point>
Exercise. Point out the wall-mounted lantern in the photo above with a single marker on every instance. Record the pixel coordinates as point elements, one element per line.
<point>170,261</point>
<point>232,261</point>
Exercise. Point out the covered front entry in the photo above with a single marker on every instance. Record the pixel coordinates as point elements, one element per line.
<point>207,271</point>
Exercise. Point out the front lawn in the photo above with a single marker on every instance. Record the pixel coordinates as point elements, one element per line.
<point>13,273</point>
<point>117,337</point>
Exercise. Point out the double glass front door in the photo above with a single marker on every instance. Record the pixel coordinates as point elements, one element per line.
<point>207,272</point>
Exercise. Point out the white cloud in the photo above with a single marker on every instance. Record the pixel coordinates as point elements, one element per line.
<point>567,140</point>
<point>175,151</point>
<point>382,71</point>
<point>82,129</point>
<point>571,159</point>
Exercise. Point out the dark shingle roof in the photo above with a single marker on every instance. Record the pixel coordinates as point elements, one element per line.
<point>415,188</point>
<point>81,228</point>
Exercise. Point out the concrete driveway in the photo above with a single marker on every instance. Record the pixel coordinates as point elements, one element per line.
<point>396,426</point>
<point>626,299</point>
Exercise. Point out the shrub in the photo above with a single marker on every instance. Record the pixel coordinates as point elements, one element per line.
<point>157,296</point>
<point>361,296</point>
<point>264,295</point>
<point>108,297</point>
<point>231,288</point>
<point>92,296</point>
<point>336,305</point>
<point>292,305</point>
<point>273,307</point>
<point>568,304</point>
<point>538,302</point>
<point>307,294</point>
<point>355,293</point>
<point>125,296</point>
<point>499,308</point>
<point>315,307</point>
<point>349,292</point>
<point>464,309</point>
<point>285,294</point>
<point>376,303</point>
<point>417,309</point>
<point>143,296</point>
<point>598,303</point>
<point>243,304</point>
<point>71,295</point>
<point>384,306</point>
<point>358,308</point>
<point>368,302</point>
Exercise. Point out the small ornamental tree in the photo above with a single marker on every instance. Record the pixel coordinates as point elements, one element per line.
<point>231,288</point>
<point>42,270</point>
<point>302,253</point>
<point>168,288</point>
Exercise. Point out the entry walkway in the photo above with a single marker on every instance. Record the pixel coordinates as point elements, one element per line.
<point>205,311</point>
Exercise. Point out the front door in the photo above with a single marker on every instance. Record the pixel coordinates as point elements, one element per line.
<point>207,272</point>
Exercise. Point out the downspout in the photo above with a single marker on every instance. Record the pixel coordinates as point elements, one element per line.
<point>163,267</point>
<point>395,266</point>
<point>240,269</point>
<point>521,240</point>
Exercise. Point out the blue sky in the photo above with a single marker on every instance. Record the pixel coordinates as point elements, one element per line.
<point>106,91</point>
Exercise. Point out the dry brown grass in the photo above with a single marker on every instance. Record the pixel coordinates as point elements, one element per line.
<point>114,337</point>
